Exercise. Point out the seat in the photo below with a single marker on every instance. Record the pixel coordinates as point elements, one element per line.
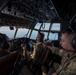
<point>7,63</point>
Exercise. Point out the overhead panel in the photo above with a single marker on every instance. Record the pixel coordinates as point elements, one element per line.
<point>28,11</point>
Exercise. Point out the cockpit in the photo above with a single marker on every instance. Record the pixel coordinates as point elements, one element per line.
<point>22,20</point>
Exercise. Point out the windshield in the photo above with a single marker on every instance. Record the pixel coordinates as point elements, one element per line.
<point>7,31</point>
<point>45,28</point>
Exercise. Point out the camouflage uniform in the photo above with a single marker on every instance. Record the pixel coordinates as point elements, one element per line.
<point>68,65</point>
<point>59,52</point>
<point>54,65</point>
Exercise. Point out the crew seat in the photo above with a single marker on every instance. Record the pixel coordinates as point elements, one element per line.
<point>7,63</point>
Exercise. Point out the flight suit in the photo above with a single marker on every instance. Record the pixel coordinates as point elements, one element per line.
<point>59,52</point>
<point>36,67</point>
<point>68,65</point>
<point>55,63</point>
<point>37,51</point>
<point>40,56</point>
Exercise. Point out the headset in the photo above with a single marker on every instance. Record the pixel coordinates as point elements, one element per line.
<point>74,42</point>
<point>3,44</point>
<point>73,30</point>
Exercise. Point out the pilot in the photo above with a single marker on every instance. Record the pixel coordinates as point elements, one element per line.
<point>36,54</point>
<point>4,45</point>
<point>39,41</point>
<point>68,62</point>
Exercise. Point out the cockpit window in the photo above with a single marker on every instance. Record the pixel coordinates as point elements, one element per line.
<point>23,32</point>
<point>38,26</point>
<point>55,27</point>
<point>53,36</point>
<point>34,34</point>
<point>44,26</point>
<point>7,31</point>
<point>50,31</point>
